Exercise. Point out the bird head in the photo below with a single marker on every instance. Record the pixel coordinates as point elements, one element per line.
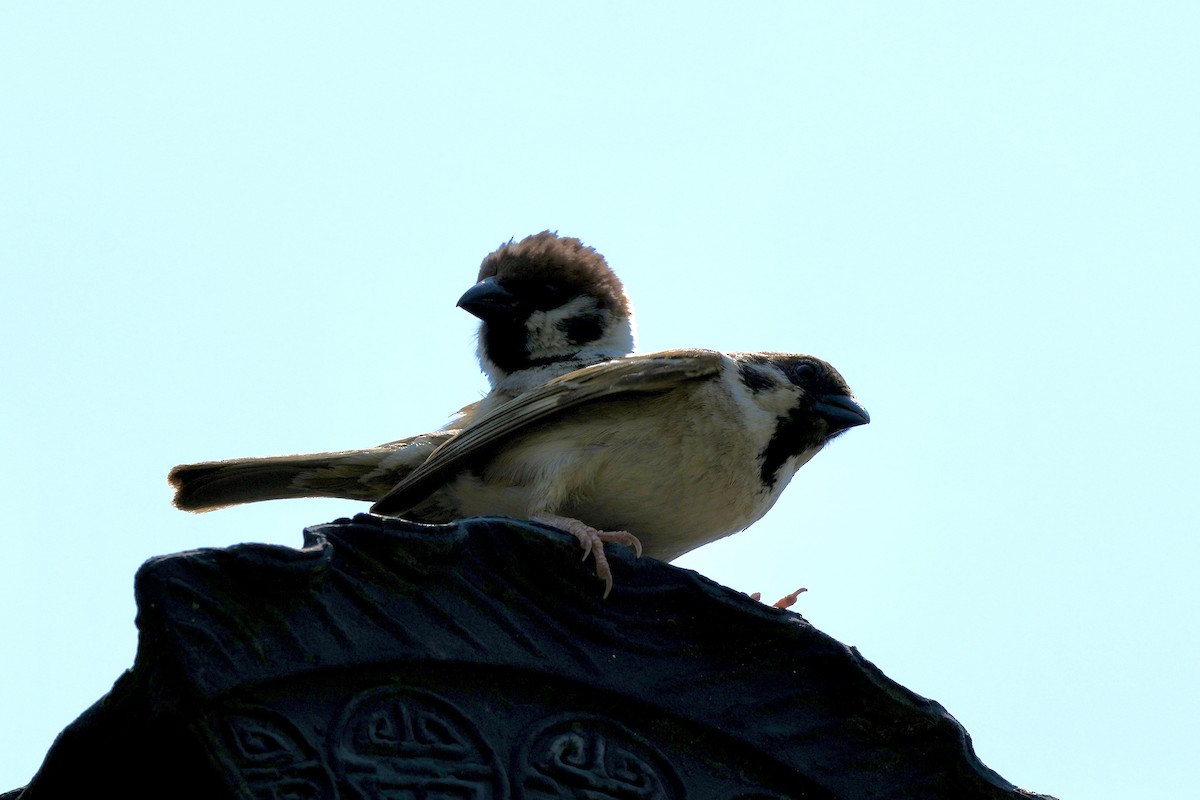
<point>548,299</point>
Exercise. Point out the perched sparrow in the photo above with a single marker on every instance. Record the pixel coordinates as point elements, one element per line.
<point>666,452</point>
<point>547,304</point>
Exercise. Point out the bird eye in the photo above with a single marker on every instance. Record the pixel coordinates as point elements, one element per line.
<point>804,370</point>
<point>545,294</point>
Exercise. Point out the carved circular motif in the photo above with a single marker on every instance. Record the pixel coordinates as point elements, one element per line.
<point>584,756</point>
<point>271,757</point>
<point>393,742</point>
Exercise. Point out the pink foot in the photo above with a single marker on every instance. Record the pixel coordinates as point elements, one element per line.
<point>787,601</point>
<point>592,541</point>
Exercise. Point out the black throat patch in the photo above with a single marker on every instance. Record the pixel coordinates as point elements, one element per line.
<point>504,344</point>
<point>794,433</point>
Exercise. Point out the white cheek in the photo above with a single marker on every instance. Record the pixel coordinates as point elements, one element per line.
<point>617,340</point>
<point>542,330</point>
<point>546,338</point>
<point>542,335</point>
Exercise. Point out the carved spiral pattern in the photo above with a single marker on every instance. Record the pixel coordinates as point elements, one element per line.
<point>397,743</point>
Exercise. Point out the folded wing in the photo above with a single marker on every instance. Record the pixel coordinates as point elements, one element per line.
<point>652,373</point>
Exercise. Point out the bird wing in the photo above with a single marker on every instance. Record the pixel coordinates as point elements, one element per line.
<point>652,373</point>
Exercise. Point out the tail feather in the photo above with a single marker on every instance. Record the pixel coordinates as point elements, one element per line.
<point>352,474</point>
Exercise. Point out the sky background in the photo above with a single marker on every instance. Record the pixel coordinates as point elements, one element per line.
<point>233,229</point>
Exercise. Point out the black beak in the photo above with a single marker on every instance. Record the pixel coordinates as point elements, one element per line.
<point>840,412</point>
<point>488,300</point>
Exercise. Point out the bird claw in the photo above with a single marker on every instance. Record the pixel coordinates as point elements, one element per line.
<point>787,601</point>
<point>592,541</point>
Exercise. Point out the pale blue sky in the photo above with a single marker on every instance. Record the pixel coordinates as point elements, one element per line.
<point>232,229</point>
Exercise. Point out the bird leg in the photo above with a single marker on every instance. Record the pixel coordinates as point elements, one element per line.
<point>592,541</point>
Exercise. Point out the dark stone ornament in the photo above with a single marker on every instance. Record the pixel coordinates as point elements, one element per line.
<point>392,660</point>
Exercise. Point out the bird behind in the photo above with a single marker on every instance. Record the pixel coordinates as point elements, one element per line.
<point>547,305</point>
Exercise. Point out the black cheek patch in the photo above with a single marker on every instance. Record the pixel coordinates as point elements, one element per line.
<point>581,330</point>
<point>755,379</point>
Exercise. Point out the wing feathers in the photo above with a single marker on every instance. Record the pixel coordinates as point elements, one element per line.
<point>649,374</point>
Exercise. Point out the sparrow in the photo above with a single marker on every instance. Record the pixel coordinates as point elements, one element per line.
<point>664,452</point>
<point>547,305</point>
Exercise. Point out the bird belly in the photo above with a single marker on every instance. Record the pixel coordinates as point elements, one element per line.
<point>670,483</point>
